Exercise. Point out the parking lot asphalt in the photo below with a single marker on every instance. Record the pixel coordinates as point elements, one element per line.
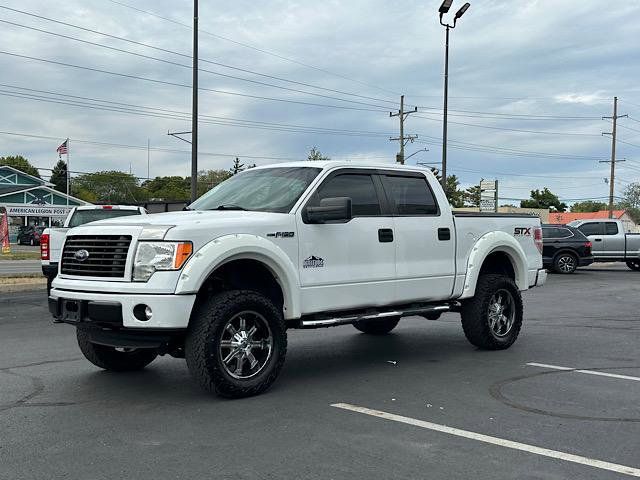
<point>18,267</point>
<point>450,411</point>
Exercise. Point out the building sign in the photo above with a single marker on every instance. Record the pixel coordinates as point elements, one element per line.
<point>37,211</point>
<point>489,196</point>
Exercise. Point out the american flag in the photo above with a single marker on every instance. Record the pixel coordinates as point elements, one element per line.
<point>63,149</point>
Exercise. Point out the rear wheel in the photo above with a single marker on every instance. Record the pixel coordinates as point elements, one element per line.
<point>112,358</point>
<point>565,263</point>
<point>634,265</point>
<point>377,327</point>
<point>493,317</point>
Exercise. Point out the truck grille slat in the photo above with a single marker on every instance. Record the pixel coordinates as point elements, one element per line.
<point>107,255</point>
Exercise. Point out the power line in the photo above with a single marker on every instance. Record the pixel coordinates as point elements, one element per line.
<point>175,84</point>
<point>252,47</point>
<point>185,55</point>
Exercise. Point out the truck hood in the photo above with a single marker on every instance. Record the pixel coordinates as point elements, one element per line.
<point>199,227</point>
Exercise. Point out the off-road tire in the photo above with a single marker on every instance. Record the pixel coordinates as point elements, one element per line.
<point>203,341</point>
<point>568,267</point>
<point>377,327</point>
<point>114,360</point>
<point>634,265</point>
<point>475,313</point>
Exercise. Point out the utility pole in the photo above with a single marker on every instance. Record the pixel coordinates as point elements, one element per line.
<point>402,115</point>
<point>194,108</point>
<point>614,118</point>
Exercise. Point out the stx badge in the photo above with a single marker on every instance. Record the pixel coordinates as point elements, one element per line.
<point>522,231</point>
<point>313,262</point>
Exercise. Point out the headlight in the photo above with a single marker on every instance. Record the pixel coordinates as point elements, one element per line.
<point>154,256</point>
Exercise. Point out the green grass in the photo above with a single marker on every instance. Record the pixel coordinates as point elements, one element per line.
<point>20,256</point>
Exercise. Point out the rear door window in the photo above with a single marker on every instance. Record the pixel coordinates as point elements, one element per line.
<point>611,228</point>
<point>410,195</point>
<point>592,228</point>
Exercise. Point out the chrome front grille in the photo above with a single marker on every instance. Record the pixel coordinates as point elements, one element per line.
<point>95,255</point>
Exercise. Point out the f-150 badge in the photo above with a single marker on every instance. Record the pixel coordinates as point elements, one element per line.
<point>313,262</point>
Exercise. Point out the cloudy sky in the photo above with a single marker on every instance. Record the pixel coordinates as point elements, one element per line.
<point>529,83</point>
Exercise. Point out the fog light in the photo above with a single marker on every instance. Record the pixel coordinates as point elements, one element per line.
<point>143,312</point>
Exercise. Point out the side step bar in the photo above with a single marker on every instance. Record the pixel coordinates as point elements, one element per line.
<point>351,318</point>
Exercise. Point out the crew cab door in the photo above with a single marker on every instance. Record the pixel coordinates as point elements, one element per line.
<point>424,236</point>
<point>594,231</point>
<point>614,241</point>
<point>347,264</point>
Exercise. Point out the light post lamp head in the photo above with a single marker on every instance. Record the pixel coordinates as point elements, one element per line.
<point>444,8</point>
<point>463,9</point>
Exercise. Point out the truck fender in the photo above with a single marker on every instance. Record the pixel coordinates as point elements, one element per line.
<point>242,246</point>
<point>489,243</point>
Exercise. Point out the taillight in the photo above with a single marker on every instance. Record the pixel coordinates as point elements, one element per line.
<point>44,246</point>
<point>588,246</point>
<point>537,238</point>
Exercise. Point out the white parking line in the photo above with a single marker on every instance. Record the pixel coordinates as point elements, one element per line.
<point>588,372</point>
<point>567,457</point>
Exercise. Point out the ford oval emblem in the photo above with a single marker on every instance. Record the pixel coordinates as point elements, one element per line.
<point>81,255</point>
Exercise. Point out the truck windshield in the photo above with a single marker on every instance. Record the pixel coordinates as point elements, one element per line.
<point>80,217</point>
<point>265,190</point>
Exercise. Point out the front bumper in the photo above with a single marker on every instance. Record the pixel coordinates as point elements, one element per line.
<point>117,310</point>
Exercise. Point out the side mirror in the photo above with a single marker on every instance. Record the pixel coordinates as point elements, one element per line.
<point>330,209</point>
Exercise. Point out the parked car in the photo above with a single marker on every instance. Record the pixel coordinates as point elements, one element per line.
<point>298,245</point>
<point>30,235</point>
<point>53,238</point>
<point>610,242</point>
<point>565,248</point>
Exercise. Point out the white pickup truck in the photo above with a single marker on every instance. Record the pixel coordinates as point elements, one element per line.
<point>610,242</point>
<point>52,239</point>
<point>297,245</point>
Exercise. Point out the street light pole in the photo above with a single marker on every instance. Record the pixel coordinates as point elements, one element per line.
<point>444,8</point>
<point>194,108</point>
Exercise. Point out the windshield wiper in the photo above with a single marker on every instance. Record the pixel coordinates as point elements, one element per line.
<point>228,206</point>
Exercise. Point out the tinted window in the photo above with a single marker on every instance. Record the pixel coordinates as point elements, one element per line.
<point>359,187</point>
<point>411,195</point>
<point>552,233</point>
<point>593,228</point>
<point>611,228</point>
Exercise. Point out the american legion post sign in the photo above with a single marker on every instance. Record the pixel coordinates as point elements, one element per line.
<point>29,200</point>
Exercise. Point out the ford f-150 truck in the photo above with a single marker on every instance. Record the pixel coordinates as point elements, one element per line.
<point>610,242</point>
<point>52,239</point>
<point>296,245</point>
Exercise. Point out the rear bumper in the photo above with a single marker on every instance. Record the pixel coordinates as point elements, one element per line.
<point>50,271</point>
<point>541,278</point>
<point>117,310</point>
<point>585,261</point>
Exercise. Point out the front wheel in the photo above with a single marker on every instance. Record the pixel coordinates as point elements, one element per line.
<point>377,327</point>
<point>236,343</point>
<point>112,358</point>
<point>634,265</point>
<point>492,319</point>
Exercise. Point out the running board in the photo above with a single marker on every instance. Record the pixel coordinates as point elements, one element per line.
<point>352,318</point>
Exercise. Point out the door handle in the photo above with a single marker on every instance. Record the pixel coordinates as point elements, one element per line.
<point>444,234</point>
<point>385,235</point>
<point>597,239</point>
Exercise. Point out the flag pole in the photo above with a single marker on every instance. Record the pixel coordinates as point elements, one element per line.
<point>68,173</point>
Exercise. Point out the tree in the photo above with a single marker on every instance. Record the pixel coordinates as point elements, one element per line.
<point>454,195</point>
<point>588,206</point>
<point>168,188</point>
<point>315,155</point>
<point>207,179</point>
<point>59,176</point>
<point>237,167</point>
<point>544,199</point>
<point>631,196</point>
<point>109,186</point>
<point>20,163</point>
<point>472,196</point>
